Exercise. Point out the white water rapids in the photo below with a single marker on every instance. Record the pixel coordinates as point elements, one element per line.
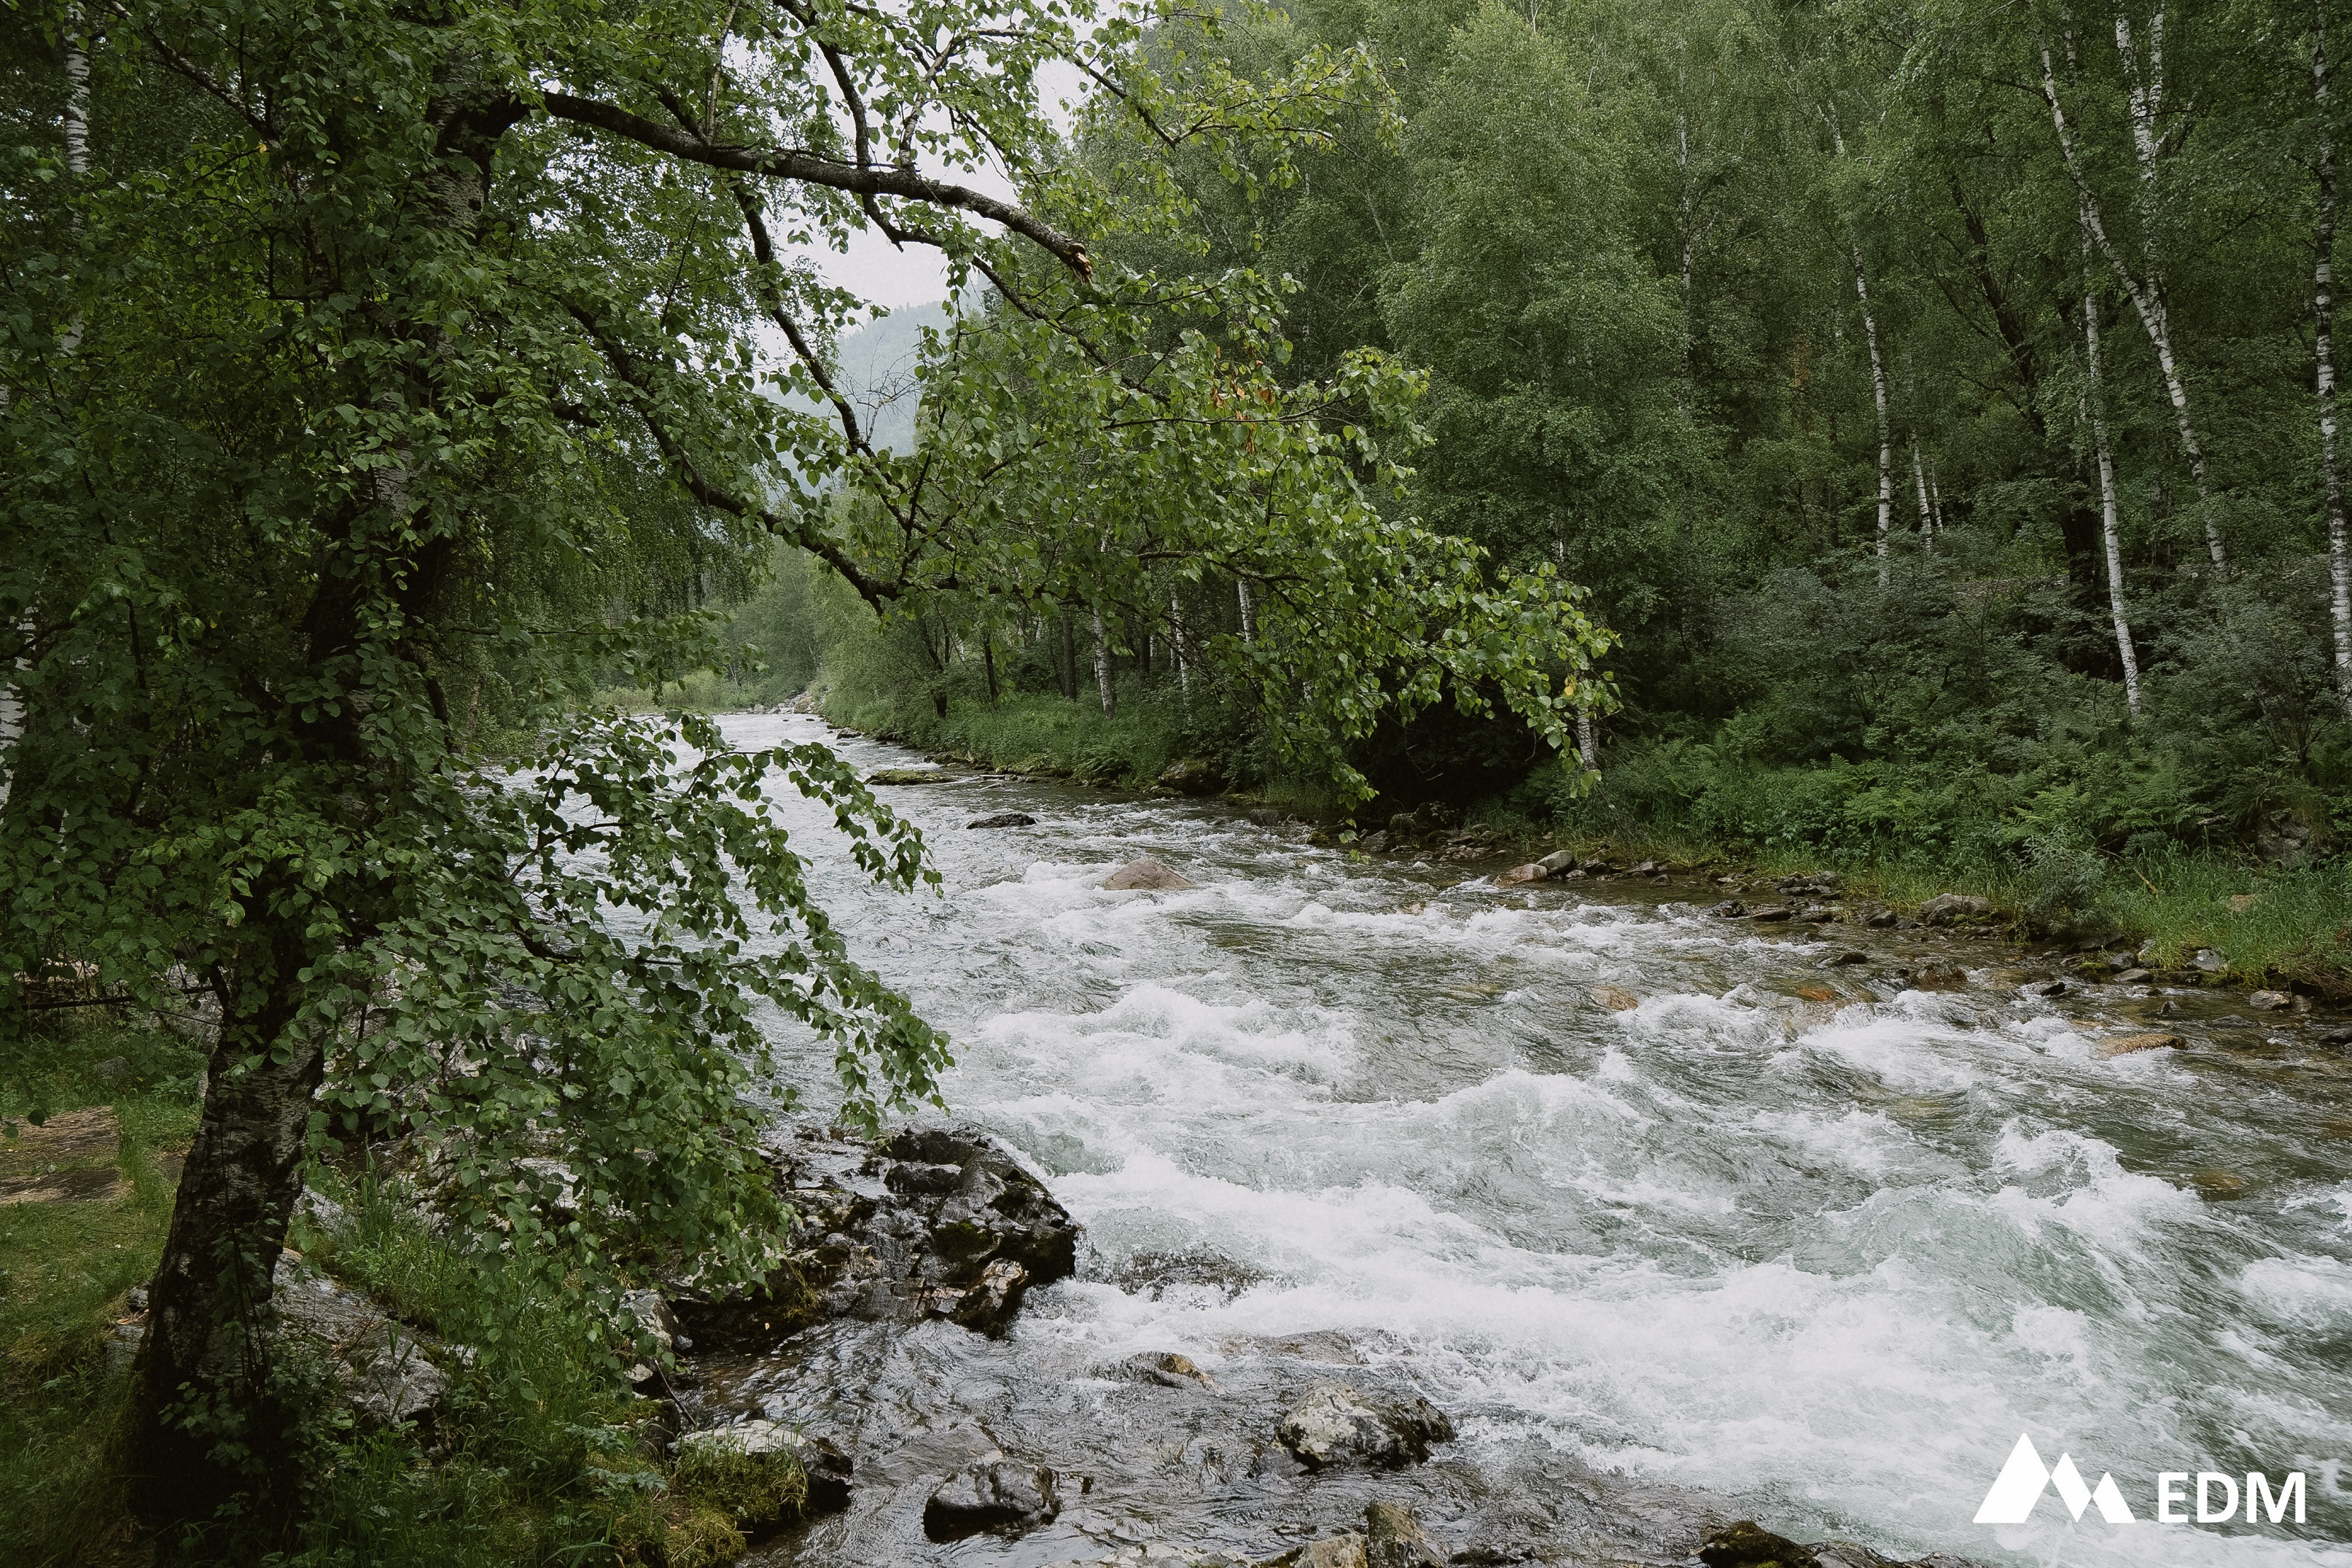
<point>1828,1259</point>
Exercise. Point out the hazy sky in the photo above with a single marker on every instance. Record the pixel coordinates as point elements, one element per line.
<point>892,277</point>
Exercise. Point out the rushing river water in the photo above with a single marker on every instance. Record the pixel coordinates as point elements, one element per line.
<point>1825,1260</point>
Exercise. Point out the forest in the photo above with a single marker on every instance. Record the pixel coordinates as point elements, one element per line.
<point>1937,403</point>
<point>1887,439</point>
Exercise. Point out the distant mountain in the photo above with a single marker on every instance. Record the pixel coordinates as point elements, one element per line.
<point>875,368</point>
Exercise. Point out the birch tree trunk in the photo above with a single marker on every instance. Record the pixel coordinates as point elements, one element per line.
<point>1249,620</point>
<point>1588,745</point>
<point>2143,286</point>
<point>1878,394</point>
<point>1919,480</point>
<point>1176,642</point>
<point>2323,314</point>
<point>1102,667</point>
<point>2109,527</point>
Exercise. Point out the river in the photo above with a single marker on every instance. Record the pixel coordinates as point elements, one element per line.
<point>1825,1260</point>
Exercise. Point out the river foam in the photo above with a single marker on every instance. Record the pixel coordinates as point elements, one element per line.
<point>1828,1256</point>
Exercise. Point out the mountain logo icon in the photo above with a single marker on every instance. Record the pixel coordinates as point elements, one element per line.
<point>2024,1477</point>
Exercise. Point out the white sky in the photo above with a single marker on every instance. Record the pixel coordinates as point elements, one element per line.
<point>895,279</point>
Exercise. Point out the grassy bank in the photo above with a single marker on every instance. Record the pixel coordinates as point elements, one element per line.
<point>541,1454</point>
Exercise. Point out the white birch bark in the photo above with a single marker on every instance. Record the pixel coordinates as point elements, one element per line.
<point>2322,313</point>
<point>1919,480</point>
<point>1102,667</point>
<point>1249,620</point>
<point>1588,745</point>
<point>2110,529</point>
<point>1176,642</point>
<point>2144,287</point>
<point>1878,393</point>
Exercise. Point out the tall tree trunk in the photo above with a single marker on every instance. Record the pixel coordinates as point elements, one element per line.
<point>203,1373</point>
<point>2144,287</point>
<point>1176,642</point>
<point>1069,660</point>
<point>1919,479</point>
<point>2322,313</point>
<point>2110,529</point>
<point>1249,621</point>
<point>1102,667</point>
<point>1588,745</point>
<point>988,662</point>
<point>1878,394</point>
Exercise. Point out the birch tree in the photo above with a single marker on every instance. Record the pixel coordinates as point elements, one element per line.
<point>2143,285</point>
<point>2322,321</point>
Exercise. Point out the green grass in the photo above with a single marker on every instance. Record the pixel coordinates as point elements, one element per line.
<point>540,1458</point>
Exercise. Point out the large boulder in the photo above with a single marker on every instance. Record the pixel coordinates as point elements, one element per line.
<point>1748,1544</point>
<point>1946,908</point>
<point>1146,874</point>
<point>932,1222</point>
<point>1193,776</point>
<point>1331,1552</point>
<point>384,1372</point>
<point>1519,875</point>
<point>1004,820</point>
<point>1333,1424</point>
<point>998,1495</point>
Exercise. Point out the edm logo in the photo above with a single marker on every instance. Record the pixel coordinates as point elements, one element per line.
<point>2025,1478</point>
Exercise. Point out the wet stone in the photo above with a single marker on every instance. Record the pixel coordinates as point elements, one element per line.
<point>1148,876</point>
<point>997,1495</point>
<point>1333,1424</point>
<point>1004,820</point>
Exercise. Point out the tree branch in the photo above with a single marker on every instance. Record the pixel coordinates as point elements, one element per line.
<point>864,182</point>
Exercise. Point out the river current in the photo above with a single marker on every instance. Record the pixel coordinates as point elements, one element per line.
<point>1825,1258</point>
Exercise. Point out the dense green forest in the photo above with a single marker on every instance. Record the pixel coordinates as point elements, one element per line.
<point>1894,434</point>
<point>1936,400</point>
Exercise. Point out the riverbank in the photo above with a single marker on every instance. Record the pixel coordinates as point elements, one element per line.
<point>2206,917</point>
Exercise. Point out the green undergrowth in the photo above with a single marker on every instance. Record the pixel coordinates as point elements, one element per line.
<point>2271,926</point>
<point>66,1270</point>
<point>541,1455</point>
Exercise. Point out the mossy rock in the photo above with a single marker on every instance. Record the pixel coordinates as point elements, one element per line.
<point>749,1474</point>
<point>702,1537</point>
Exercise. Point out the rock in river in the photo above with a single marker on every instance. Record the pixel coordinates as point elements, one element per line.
<point>1520,874</point>
<point>934,1222</point>
<point>1947,908</point>
<point>1004,820</point>
<point>1001,1495</point>
<point>1748,1544</point>
<point>1146,874</point>
<point>2125,1044</point>
<point>907,776</point>
<point>1333,1424</point>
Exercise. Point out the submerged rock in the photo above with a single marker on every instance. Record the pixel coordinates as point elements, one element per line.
<point>998,1495</point>
<point>1004,820</point>
<point>1146,874</point>
<point>1333,1424</point>
<point>933,1222</point>
<point>1772,912</point>
<point>906,776</point>
<point>2125,1044</point>
<point>1165,1367</point>
<point>1616,998</point>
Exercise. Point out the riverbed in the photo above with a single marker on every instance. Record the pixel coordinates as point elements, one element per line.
<point>1787,1237</point>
